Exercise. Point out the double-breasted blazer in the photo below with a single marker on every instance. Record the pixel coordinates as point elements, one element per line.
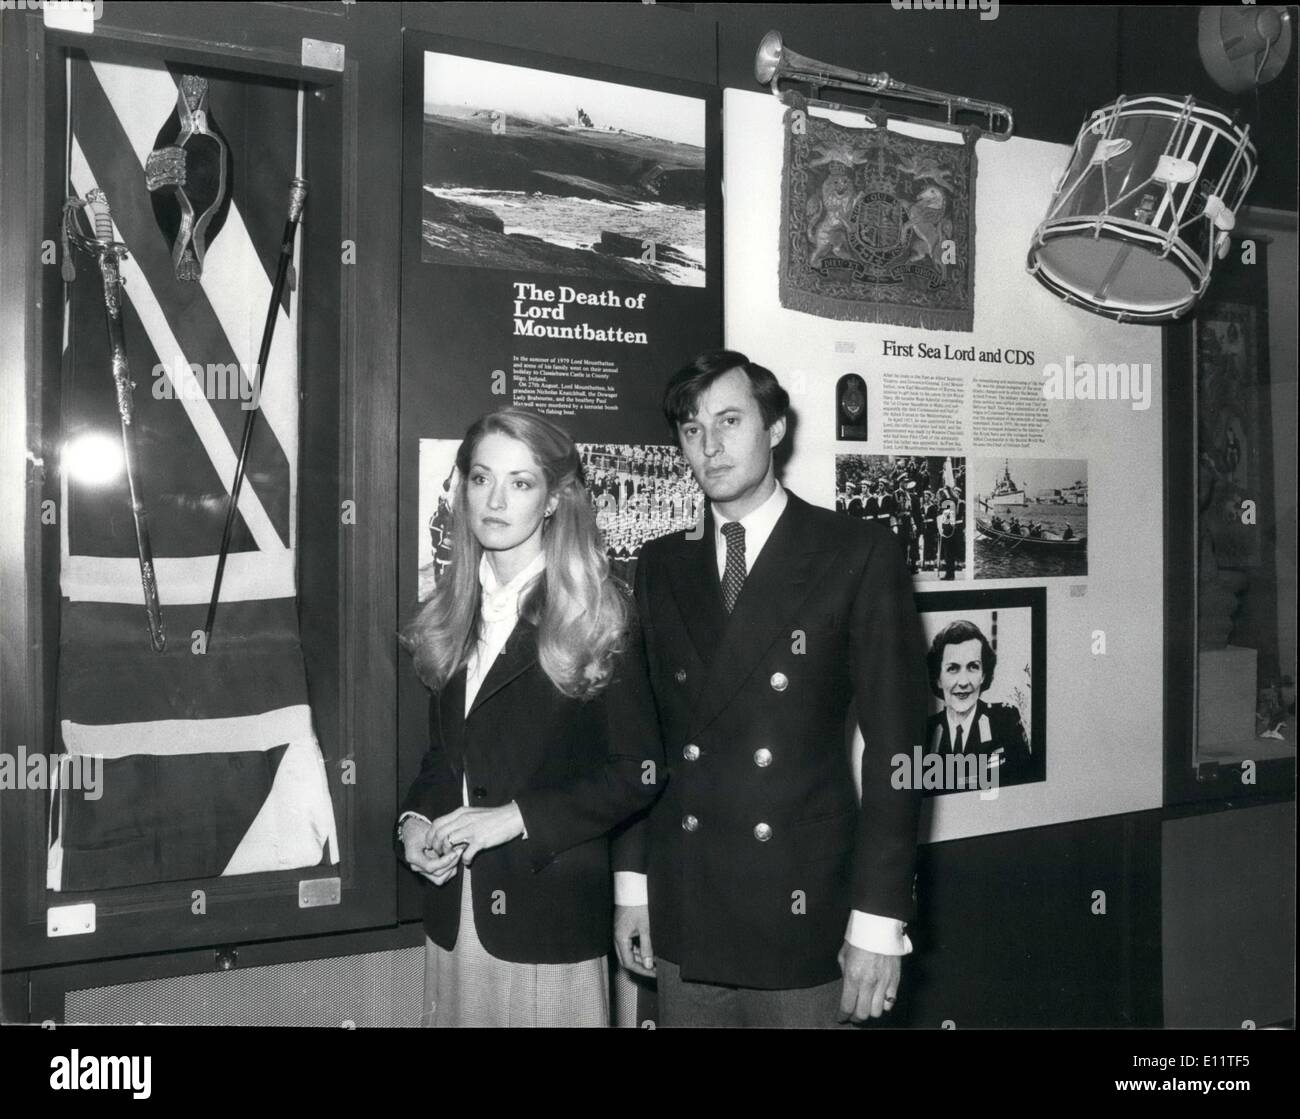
<point>576,769</point>
<point>758,847</point>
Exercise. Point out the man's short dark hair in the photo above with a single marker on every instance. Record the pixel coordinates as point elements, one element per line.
<point>957,633</point>
<point>682,396</point>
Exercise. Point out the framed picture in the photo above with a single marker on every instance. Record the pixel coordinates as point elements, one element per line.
<point>987,664</point>
<point>1231,372</point>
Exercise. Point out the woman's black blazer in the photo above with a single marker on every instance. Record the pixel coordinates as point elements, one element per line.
<point>576,770</point>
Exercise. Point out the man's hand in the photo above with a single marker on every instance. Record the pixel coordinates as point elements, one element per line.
<point>476,829</point>
<point>870,981</point>
<point>632,939</point>
<point>420,853</point>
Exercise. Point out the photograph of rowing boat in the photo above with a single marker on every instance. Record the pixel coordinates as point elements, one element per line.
<point>535,171</point>
<point>1030,517</point>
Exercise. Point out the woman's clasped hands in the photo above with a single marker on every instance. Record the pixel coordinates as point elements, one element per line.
<point>437,849</point>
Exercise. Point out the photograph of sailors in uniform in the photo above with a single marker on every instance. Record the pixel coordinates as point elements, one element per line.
<point>921,499</point>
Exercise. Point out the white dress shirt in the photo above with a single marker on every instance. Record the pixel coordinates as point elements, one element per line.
<point>884,935</point>
<point>758,523</point>
<point>500,609</point>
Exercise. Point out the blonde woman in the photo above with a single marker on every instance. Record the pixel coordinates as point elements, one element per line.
<point>542,738</point>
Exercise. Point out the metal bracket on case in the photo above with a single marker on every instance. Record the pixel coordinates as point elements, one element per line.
<point>70,920</point>
<point>322,55</point>
<point>313,892</point>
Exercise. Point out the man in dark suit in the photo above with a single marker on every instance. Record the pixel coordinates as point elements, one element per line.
<point>961,663</point>
<point>774,896</point>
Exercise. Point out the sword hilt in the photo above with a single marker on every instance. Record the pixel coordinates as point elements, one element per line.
<point>297,199</point>
<point>101,216</point>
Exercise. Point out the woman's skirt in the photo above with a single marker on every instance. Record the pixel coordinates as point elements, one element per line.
<point>469,987</point>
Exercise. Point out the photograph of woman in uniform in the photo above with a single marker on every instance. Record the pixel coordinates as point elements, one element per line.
<point>982,677</point>
<point>542,738</point>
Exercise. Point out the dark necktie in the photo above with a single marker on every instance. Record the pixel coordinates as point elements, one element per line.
<point>961,735</point>
<point>733,576</point>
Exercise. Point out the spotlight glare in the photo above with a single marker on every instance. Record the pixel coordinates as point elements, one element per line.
<point>93,459</point>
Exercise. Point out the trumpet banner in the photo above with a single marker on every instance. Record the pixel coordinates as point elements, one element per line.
<point>211,765</point>
<point>877,226</point>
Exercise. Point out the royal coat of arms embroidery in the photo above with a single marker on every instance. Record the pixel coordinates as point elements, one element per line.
<point>877,226</point>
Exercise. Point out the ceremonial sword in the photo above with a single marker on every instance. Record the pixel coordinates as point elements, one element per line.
<point>109,254</point>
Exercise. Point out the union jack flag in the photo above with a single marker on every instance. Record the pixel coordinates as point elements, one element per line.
<point>212,766</point>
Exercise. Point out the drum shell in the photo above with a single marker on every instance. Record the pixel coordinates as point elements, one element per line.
<point>1121,241</point>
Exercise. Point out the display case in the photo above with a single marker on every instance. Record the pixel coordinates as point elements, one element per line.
<point>187,775</point>
<point>1230,533</point>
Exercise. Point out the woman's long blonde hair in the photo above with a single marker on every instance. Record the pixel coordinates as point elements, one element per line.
<point>580,611</point>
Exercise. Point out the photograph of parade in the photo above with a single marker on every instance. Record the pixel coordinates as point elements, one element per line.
<point>538,171</point>
<point>921,499</point>
<point>640,491</point>
<point>984,671</point>
<point>1031,519</point>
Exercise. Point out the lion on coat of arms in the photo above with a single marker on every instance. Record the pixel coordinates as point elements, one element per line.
<point>830,212</point>
<point>928,226</point>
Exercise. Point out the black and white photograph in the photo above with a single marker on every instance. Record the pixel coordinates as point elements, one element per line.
<point>439,480</point>
<point>640,492</point>
<point>921,498</point>
<point>1031,517</point>
<point>462,567</point>
<point>551,174</point>
<point>985,663</point>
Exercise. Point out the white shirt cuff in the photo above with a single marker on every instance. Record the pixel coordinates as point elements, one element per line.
<point>407,815</point>
<point>882,935</point>
<point>630,888</point>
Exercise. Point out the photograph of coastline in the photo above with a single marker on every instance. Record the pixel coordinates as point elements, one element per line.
<point>531,170</point>
<point>1030,517</point>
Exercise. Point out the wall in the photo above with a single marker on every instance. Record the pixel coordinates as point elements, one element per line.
<point>1228,921</point>
<point>1104,744</point>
